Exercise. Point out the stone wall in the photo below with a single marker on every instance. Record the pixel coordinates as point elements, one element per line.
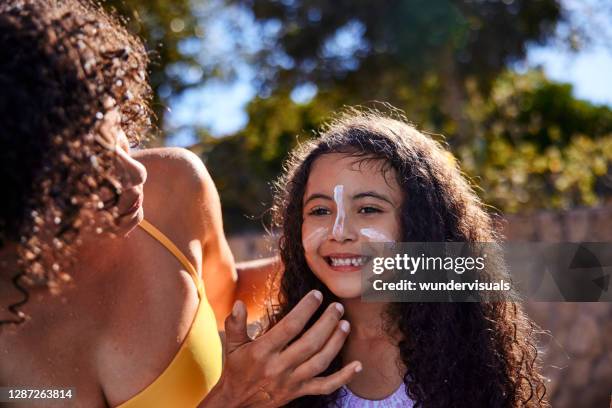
<point>577,346</point>
<point>577,351</point>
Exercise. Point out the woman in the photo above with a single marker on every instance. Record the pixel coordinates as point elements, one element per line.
<point>120,238</point>
<point>370,178</point>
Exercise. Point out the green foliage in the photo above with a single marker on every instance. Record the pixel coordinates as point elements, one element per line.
<point>444,37</point>
<point>243,165</point>
<point>536,146</point>
<point>532,146</point>
<point>410,53</point>
<point>525,140</point>
<point>162,25</point>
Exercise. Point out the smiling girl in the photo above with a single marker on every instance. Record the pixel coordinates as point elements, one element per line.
<point>370,178</point>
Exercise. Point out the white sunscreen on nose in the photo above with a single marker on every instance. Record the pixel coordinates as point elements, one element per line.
<point>374,235</point>
<point>314,239</point>
<point>338,230</point>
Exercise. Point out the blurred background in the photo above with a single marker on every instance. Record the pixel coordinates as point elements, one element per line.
<point>520,90</point>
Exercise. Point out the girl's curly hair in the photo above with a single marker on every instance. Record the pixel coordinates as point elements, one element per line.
<point>61,62</point>
<point>455,354</point>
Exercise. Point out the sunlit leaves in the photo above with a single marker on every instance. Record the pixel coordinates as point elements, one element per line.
<point>533,152</point>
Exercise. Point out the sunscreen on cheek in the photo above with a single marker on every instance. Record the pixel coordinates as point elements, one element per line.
<point>374,235</point>
<point>313,240</point>
<point>338,230</point>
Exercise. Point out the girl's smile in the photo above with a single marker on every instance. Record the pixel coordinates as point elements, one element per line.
<point>346,262</point>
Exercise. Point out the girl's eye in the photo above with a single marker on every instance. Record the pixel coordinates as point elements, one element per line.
<point>369,210</point>
<point>318,211</point>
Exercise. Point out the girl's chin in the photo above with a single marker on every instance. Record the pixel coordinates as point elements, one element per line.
<point>346,291</point>
<point>343,285</point>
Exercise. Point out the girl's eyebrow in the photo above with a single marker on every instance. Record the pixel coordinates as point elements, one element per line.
<point>365,194</point>
<point>373,194</point>
<point>315,196</point>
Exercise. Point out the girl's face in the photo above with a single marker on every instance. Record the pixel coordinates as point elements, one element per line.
<point>347,204</point>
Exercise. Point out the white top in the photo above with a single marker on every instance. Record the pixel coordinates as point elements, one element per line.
<point>399,399</point>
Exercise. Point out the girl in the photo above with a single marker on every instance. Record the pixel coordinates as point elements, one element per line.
<point>371,178</point>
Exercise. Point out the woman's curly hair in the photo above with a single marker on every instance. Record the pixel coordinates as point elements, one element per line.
<point>61,62</point>
<point>479,354</point>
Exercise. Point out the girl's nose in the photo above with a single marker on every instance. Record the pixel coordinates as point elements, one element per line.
<point>341,230</point>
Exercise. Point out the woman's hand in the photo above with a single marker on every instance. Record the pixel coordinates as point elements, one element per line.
<point>267,373</point>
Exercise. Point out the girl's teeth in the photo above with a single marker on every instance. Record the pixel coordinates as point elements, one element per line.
<point>358,261</point>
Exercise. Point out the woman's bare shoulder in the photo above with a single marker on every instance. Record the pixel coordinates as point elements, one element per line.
<point>174,170</point>
<point>179,194</point>
<point>171,159</point>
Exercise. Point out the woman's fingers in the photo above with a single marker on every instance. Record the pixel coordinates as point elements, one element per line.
<point>235,327</point>
<point>315,338</point>
<point>292,324</point>
<point>316,364</point>
<point>329,384</point>
<point>261,368</point>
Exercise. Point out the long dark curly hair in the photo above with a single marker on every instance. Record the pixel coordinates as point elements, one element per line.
<point>455,354</point>
<point>61,62</point>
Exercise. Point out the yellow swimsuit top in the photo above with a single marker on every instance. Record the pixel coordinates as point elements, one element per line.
<point>196,368</point>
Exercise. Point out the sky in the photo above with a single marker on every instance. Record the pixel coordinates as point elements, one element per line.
<point>220,106</point>
<point>589,71</point>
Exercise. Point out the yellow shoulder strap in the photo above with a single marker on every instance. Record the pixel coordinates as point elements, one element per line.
<point>166,242</point>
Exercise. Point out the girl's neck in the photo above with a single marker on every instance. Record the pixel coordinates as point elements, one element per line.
<point>366,318</point>
<point>371,342</point>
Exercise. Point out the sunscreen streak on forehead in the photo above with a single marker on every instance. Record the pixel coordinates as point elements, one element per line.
<point>375,235</point>
<point>338,229</point>
<point>314,239</point>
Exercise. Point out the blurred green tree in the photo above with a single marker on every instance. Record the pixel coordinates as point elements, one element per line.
<point>245,164</point>
<point>371,50</point>
<point>162,25</point>
<point>345,43</point>
<point>532,145</point>
<point>525,140</point>
<point>535,146</point>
